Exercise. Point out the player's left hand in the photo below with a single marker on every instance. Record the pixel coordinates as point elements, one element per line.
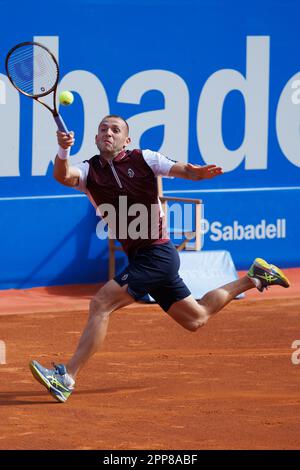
<point>198,172</point>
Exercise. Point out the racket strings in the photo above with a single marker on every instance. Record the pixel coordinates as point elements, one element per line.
<point>32,70</point>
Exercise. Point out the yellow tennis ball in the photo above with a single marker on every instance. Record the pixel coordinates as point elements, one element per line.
<point>66,98</point>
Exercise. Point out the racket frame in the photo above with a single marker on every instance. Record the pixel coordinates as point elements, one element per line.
<point>58,119</point>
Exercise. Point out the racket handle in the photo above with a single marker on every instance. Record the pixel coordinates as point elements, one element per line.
<point>60,124</point>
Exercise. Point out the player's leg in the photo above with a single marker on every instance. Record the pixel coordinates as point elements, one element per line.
<point>60,380</point>
<point>192,315</point>
<point>108,299</point>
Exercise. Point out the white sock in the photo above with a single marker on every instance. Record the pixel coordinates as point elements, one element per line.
<point>256,282</point>
<point>69,382</point>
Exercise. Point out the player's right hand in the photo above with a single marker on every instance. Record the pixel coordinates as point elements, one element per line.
<point>65,140</point>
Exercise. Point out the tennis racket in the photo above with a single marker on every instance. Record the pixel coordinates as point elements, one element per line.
<point>33,70</point>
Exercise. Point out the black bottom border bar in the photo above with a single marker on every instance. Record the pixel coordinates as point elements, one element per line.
<point>136,458</point>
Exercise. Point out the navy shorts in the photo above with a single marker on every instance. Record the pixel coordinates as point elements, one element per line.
<point>154,270</point>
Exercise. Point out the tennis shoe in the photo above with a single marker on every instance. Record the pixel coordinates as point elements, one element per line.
<point>264,275</point>
<point>57,381</point>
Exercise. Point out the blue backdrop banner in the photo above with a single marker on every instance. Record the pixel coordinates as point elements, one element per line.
<point>201,81</point>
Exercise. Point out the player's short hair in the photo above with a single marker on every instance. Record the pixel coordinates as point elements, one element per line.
<point>116,116</point>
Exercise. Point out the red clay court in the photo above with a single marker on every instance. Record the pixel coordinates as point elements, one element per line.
<point>231,385</point>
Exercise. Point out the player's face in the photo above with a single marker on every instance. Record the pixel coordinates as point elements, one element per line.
<point>112,136</point>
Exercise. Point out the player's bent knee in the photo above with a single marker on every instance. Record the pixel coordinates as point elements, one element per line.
<point>189,314</point>
<point>191,320</point>
<point>194,326</point>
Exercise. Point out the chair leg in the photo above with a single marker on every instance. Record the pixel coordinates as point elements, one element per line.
<point>198,228</point>
<point>182,245</point>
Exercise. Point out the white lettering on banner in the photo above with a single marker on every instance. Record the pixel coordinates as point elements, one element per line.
<point>296,94</point>
<point>174,116</point>
<point>288,121</point>
<point>255,91</point>
<point>9,131</point>
<point>44,143</point>
<point>95,104</point>
<point>2,92</point>
<point>237,231</point>
<point>254,88</point>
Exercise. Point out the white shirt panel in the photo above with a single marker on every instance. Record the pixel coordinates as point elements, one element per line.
<point>83,168</point>
<point>159,164</point>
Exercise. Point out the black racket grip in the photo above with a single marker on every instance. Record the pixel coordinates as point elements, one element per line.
<point>60,123</point>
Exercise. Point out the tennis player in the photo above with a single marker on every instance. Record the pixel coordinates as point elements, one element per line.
<point>113,173</point>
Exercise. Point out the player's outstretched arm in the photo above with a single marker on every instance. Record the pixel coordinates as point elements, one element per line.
<point>195,172</point>
<point>63,172</point>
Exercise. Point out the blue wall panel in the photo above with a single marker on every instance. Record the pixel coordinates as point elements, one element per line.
<point>202,81</point>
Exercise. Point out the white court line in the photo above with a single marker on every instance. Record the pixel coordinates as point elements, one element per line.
<point>230,190</point>
<point>2,352</point>
<point>29,198</point>
<point>173,191</point>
